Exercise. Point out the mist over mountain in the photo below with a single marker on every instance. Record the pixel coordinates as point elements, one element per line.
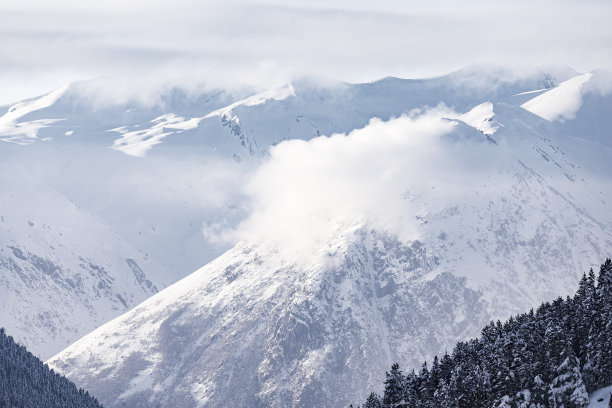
<point>139,192</point>
<point>449,209</point>
<point>256,203</point>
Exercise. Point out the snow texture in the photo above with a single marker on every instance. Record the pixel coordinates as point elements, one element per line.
<point>506,222</point>
<point>560,103</point>
<point>25,132</point>
<point>507,199</point>
<point>600,398</point>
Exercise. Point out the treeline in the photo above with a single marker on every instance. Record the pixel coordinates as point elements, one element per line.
<point>25,382</point>
<point>550,358</point>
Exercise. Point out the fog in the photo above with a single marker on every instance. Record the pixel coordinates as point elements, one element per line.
<point>264,43</point>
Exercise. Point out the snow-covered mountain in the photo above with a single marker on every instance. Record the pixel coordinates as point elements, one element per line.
<point>458,216</point>
<point>89,179</point>
<point>64,271</point>
<point>250,329</point>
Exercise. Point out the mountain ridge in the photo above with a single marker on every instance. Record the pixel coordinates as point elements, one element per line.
<point>295,331</point>
<point>70,134</point>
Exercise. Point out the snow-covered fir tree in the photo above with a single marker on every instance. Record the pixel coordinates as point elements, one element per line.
<point>373,401</point>
<point>26,382</point>
<point>550,358</point>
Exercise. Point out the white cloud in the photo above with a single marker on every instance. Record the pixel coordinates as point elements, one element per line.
<point>45,44</point>
<point>309,192</point>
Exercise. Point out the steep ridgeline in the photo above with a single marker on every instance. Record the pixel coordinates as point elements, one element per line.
<point>26,382</point>
<point>237,125</point>
<point>252,330</point>
<point>552,357</point>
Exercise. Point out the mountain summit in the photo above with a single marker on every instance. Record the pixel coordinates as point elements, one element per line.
<point>459,216</point>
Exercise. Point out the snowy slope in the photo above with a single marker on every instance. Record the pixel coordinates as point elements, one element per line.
<point>160,179</point>
<point>561,102</point>
<point>250,329</point>
<point>84,228</point>
<point>14,130</point>
<point>64,272</point>
<point>513,217</point>
<point>580,106</point>
<point>600,398</point>
<point>68,210</point>
<point>229,123</point>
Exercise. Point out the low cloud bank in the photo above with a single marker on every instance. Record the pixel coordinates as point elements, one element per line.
<point>308,192</point>
<point>265,43</point>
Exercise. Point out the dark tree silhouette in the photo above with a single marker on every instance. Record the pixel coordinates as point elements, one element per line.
<point>26,382</point>
<point>549,358</point>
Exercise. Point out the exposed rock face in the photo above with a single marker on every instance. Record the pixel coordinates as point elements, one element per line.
<point>252,330</point>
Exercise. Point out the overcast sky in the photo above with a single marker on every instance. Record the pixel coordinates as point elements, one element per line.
<point>45,44</point>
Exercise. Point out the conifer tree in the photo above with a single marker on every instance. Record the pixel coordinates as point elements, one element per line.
<point>604,337</point>
<point>26,382</point>
<point>567,389</point>
<point>394,388</point>
<point>539,392</point>
<point>549,358</point>
<point>373,401</point>
<point>411,396</point>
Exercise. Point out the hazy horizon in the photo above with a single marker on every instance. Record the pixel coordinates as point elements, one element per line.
<point>265,43</point>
